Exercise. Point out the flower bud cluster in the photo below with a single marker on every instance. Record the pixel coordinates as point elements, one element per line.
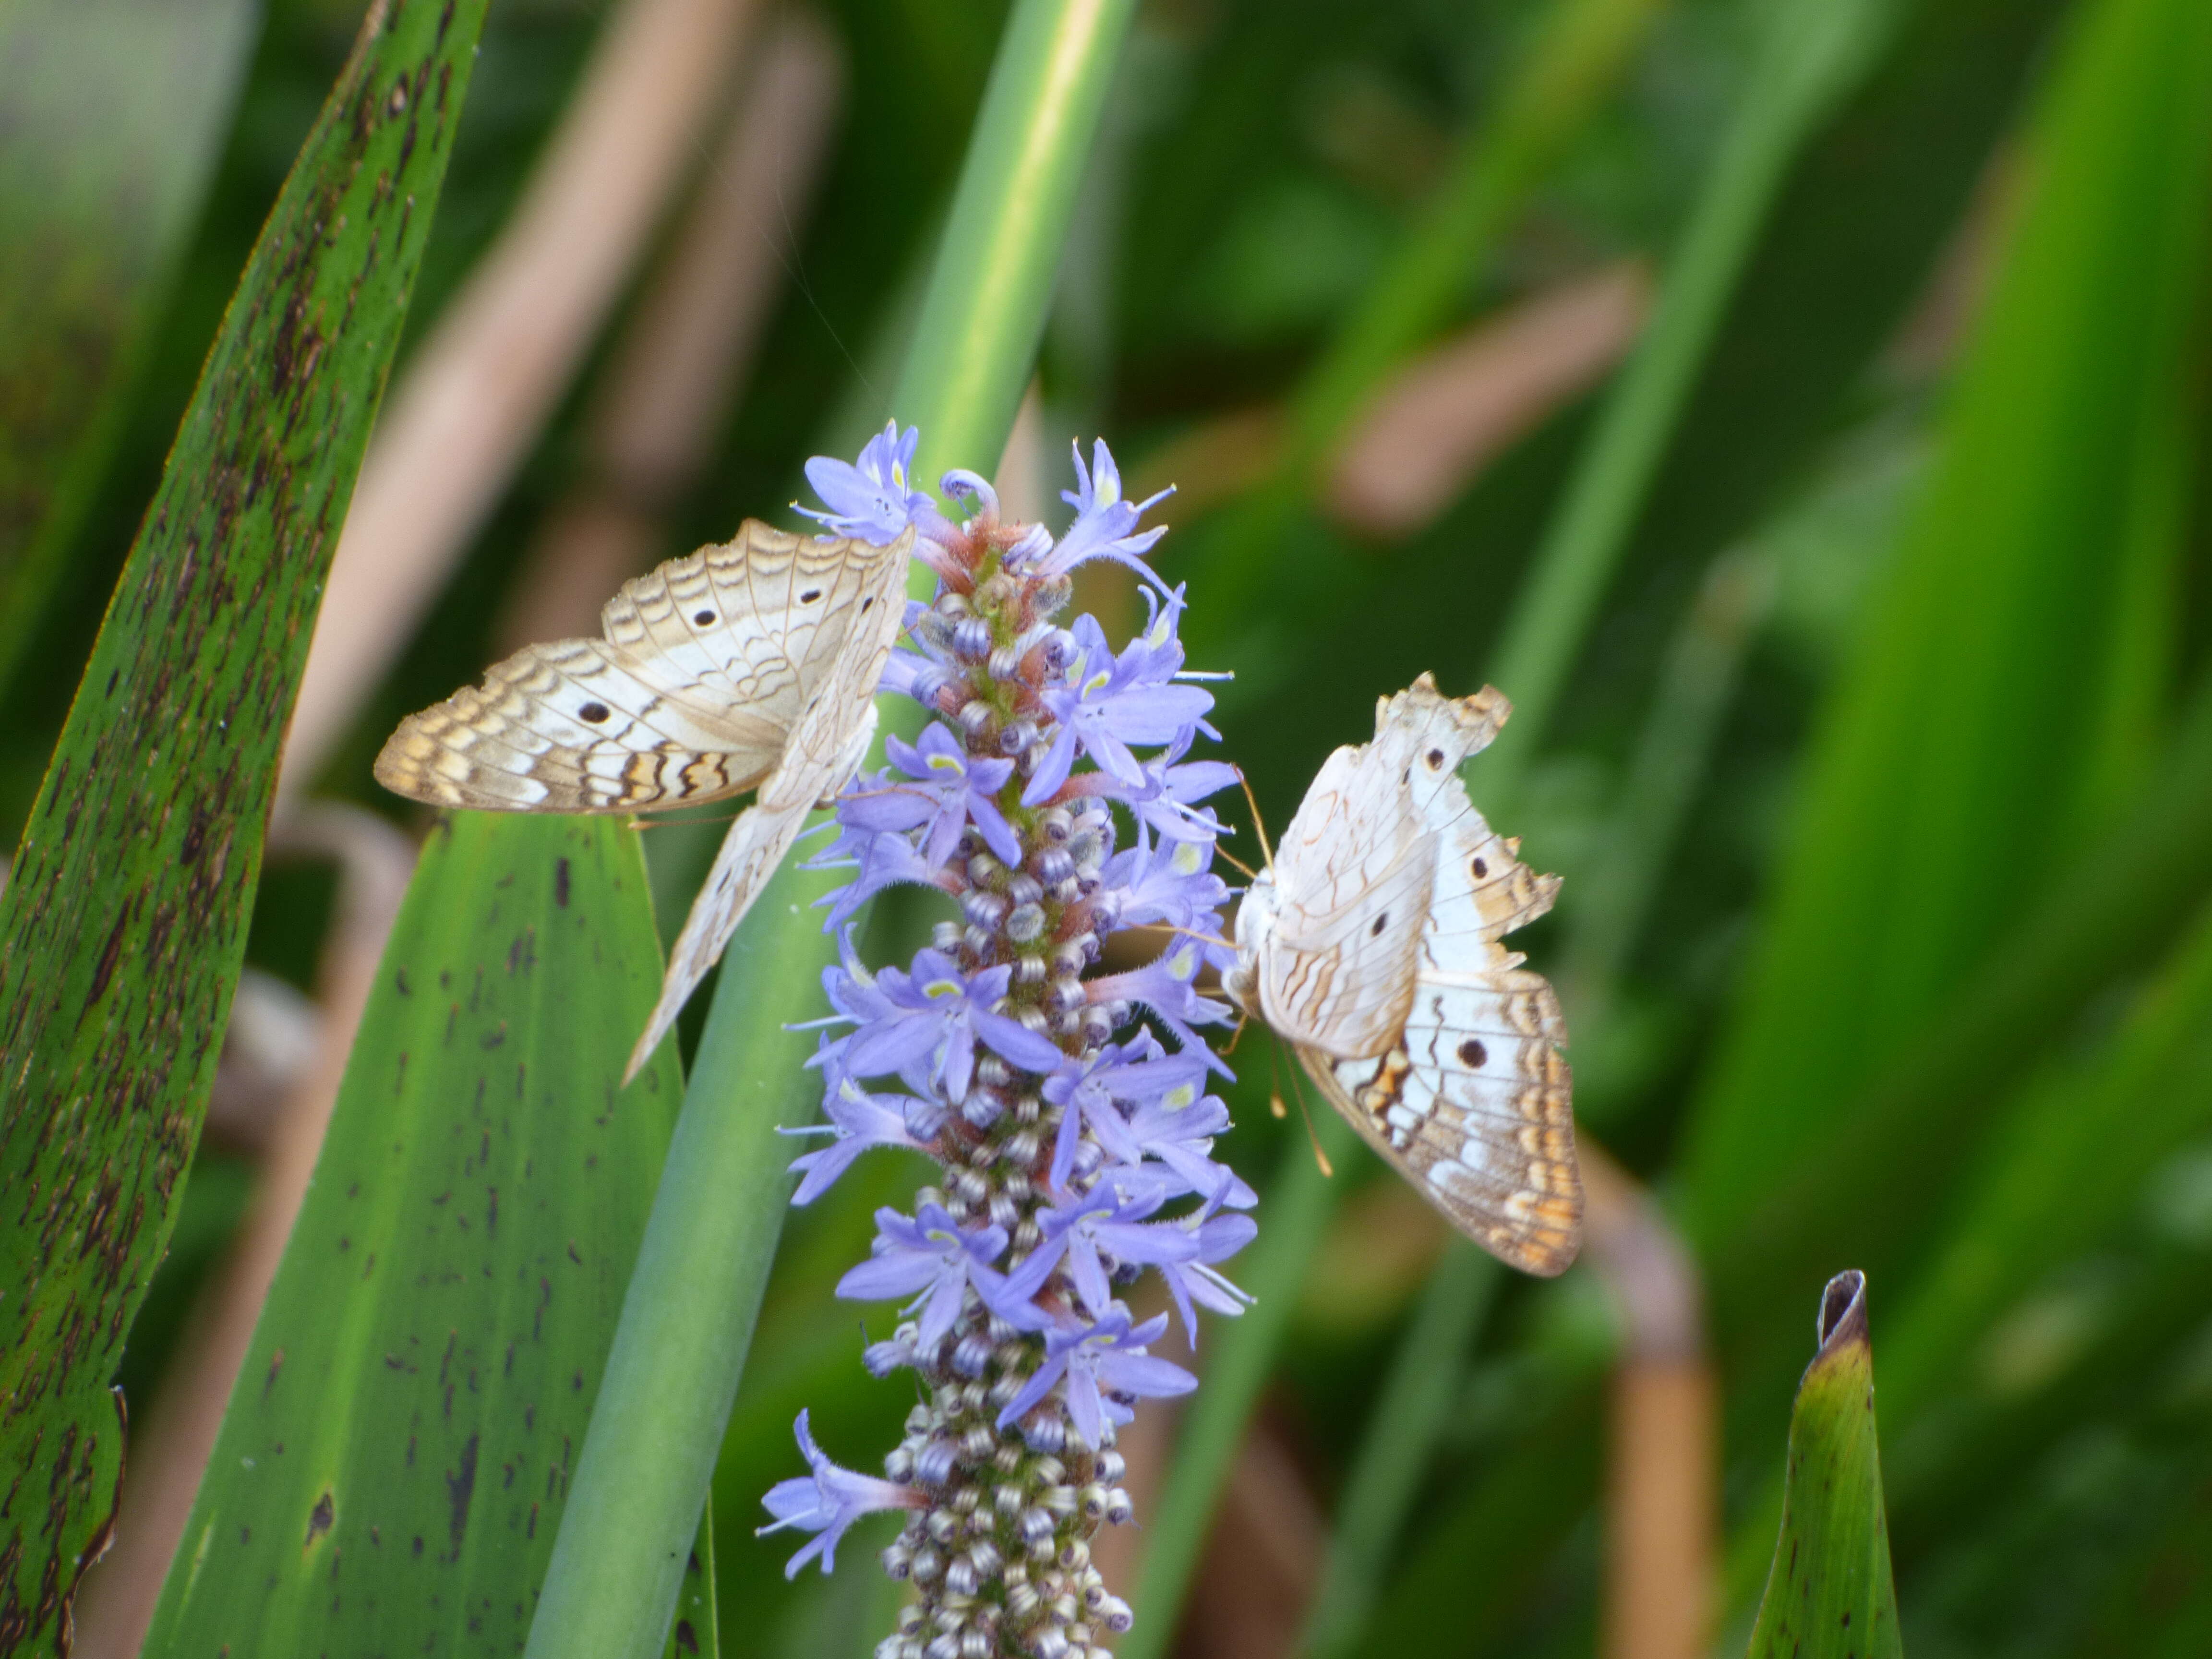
<point>1075,1144</point>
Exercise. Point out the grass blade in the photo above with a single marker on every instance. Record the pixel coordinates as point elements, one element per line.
<point>1571,70</point>
<point>1814,53</point>
<point>115,116</point>
<point>122,933</point>
<point>1830,1595</point>
<point>1954,733</point>
<point>1296,1209</point>
<point>2005,685</point>
<point>643,1479</point>
<point>1393,1454</point>
<point>398,1446</point>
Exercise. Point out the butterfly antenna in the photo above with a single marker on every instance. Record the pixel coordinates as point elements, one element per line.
<point>640,821</point>
<point>1313,1139</point>
<point>1246,870</point>
<point>1236,1035</point>
<point>1193,932</point>
<point>1259,828</point>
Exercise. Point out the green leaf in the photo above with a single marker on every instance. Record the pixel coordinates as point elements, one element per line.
<point>122,932</point>
<point>696,1628</point>
<point>1830,1593</point>
<point>2069,1171</point>
<point>644,1476</point>
<point>115,111</point>
<point>2006,692</point>
<point>399,1449</point>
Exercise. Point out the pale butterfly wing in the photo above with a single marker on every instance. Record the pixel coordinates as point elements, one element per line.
<point>827,744</point>
<point>755,662</point>
<point>690,696</point>
<point>1466,1091</point>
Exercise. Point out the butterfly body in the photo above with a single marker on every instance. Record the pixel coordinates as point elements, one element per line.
<point>1371,945</point>
<point>752,665</point>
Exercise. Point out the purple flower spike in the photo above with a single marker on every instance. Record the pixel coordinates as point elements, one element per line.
<point>1172,884</point>
<point>1103,521</point>
<point>1087,1230</point>
<point>1099,1362</point>
<point>951,790</point>
<point>929,1023</point>
<point>1050,793</point>
<point>827,1502</point>
<point>1165,986</point>
<point>1193,1279</point>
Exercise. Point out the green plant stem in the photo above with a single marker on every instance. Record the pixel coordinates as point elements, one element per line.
<point>1297,1206</point>
<point>1813,57</point>
<point>1570,68</point>
<point>642,1480</point>
<point>976,339</point>
<point>1394,1453</point>
<point>1815,53</point>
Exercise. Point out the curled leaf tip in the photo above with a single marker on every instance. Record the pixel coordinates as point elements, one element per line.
<point>1842,1311</point>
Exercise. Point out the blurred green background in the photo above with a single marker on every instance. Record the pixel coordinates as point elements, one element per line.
<point>1824,379</point>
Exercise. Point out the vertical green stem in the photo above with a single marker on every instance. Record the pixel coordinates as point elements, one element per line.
<point>1298,1206</point>
<point>642,1479</point>
<point>1386,1474</point>
<point>1814,54</point>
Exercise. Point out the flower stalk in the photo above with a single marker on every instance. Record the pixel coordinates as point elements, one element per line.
<point>1075,1144</point>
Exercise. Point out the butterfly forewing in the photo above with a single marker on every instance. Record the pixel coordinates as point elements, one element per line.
<point>690,696</point>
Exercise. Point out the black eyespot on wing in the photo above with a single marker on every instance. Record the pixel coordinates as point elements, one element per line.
<point>1473,1054</point>
<point>593,712</point>
<point>810,596</point>
<point>704,618</point>
<point>1381,922</point>
<point>1406,776</point>
<point>1481,870</point>
<point>1436,758</point>
<point>867,602</point>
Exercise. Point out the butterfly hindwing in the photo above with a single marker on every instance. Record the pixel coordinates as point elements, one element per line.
<point>1472,1104</point>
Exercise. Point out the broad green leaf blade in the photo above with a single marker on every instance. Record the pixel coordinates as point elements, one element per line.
<point>114,111</point>
<point>399,1446</point>
<point>643,1479</point>
<point>122,932</point>
<point>2009,678</point>
<point>1830,1596</point>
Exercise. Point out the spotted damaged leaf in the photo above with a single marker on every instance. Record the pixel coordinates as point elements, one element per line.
<point>396,1455</point>
<point>122,933</point>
